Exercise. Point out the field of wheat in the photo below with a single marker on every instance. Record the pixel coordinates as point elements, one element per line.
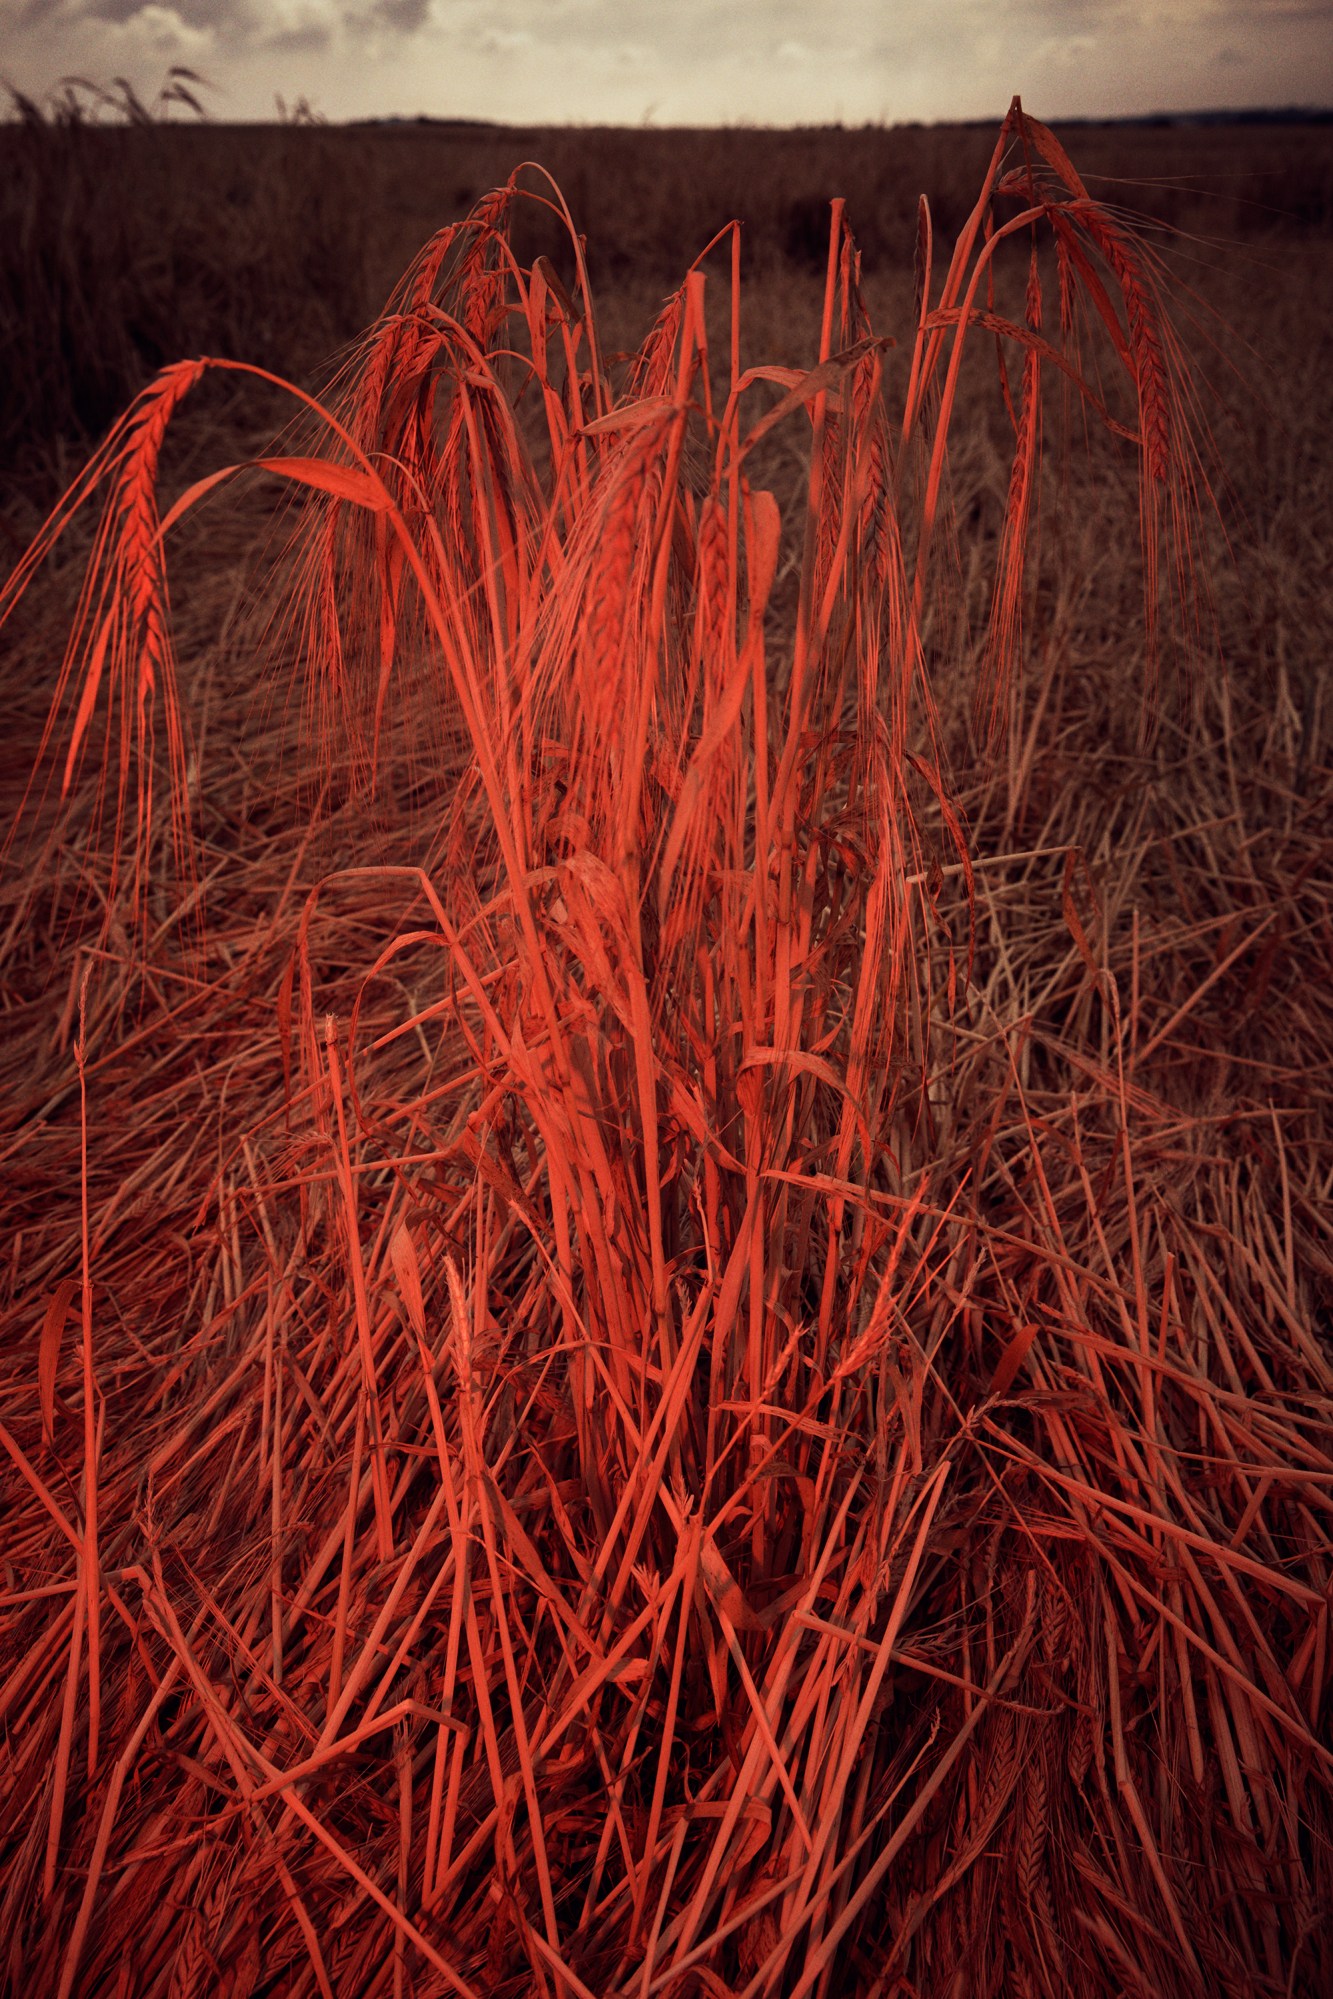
<point>667,1125</point>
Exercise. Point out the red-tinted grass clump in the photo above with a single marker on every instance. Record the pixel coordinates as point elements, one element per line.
<point>599,1399</point>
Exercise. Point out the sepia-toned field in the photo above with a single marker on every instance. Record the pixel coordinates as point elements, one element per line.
<point>666,1108</point>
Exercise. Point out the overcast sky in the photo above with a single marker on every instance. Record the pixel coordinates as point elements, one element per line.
<point>687,61</point>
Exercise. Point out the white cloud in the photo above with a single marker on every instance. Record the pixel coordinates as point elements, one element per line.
<point>165,33</point>
<point>1066,49</point>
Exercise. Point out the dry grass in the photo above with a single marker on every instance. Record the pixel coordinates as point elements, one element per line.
<point>659,1338</point>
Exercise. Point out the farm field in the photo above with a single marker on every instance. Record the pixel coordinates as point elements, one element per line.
<point>667,1296</point>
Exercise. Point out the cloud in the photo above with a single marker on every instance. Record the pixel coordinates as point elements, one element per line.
<point>243,24</point>
<point>195,17</point>
<point>167,30</point>
<point>172,33</point>
<point>506,43</point>
<point>404,17</point>
<point>696,61</point>
<point>1065,49</point>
